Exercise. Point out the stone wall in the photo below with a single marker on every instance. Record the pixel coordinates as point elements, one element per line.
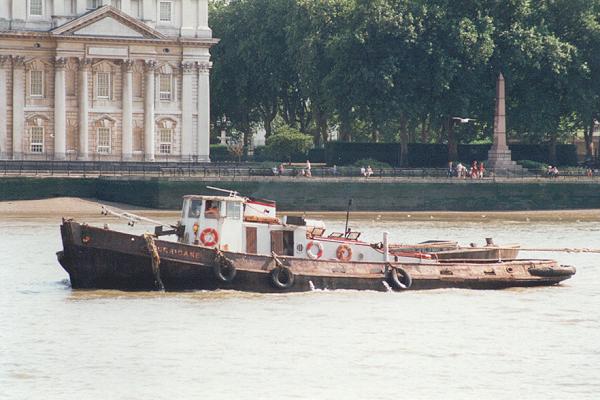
<point>306,195</point>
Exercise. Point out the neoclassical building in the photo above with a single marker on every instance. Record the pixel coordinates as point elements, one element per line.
<point>104,80</point>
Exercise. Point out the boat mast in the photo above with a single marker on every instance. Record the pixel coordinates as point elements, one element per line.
<point>347,217</point>
<point>232,193</point>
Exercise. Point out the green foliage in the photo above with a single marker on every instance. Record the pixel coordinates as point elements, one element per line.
<point>375,164</point>
<point>532,165</point>
<point>219,152</point>
<point>399,70</point>
<point>287,143</point>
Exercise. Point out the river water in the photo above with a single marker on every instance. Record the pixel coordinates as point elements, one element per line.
<point>540,343</point>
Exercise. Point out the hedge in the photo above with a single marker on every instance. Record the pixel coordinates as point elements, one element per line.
<point>436,155</point>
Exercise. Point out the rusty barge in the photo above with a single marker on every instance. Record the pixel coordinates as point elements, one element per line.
<point>238,243</point>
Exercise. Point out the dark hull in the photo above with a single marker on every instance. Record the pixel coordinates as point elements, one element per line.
<point>103,259</point>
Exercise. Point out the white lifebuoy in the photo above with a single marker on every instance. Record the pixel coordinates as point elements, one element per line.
<point>309,250</point>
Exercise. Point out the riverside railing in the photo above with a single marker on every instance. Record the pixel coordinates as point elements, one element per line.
<point>216,170</point>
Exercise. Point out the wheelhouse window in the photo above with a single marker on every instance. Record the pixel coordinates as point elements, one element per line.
<point>103,85</point>
<point>103,146</point>
<point>165,11</point>
<point>195,209</point>
<point>36,83</point>
<point>36,142</point>
<point>233,210</point>
<point>211,209</point>
<point>165,140</point>
<point>36,8</point>
<point>166,87</point>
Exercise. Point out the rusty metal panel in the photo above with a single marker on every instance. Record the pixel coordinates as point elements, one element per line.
<point>277,242</point>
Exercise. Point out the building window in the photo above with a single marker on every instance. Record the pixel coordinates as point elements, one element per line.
<point>116,3</point>
<point>165,11</point>
<point>103,85</point>
<point>92,4</point>
<point>36,8</point>
<point>103,141</point>
<point>36,83</point>
<point>166,87</point>
<point>165,139</point>
<point>36,143</point>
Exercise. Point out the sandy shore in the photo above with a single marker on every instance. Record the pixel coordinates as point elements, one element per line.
<point>69,207</point>
<point>76,207</point>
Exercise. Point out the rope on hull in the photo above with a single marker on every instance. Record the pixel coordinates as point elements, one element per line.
<point>153,250</point>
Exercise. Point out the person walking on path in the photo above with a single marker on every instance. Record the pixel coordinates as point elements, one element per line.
<point>369,171</point>
<point>308,167</point>
<point>481,170</point>
<point>450,172</point>
<point>363,171</point>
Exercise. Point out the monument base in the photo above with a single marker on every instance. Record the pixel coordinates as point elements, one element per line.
<point>500,160</point>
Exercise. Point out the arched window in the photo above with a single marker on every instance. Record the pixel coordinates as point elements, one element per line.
<point>36,129</point>
<point>166,135</point>
<point>103,80</point>
<point>166,83</point>
<point>104,132</point>
<point>36,78</point>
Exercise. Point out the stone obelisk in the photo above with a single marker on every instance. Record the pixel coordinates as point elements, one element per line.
<point>499,155</point>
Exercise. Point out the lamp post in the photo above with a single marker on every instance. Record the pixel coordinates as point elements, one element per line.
<point>596,133</point>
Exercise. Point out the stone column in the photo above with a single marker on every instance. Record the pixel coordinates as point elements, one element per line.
<point>187,19</point>
<point>499,156</point>
<point>81,6</point>
<point>149,111</point>
<point>203,132</point>
<point>18,106</point>
<point>187,111</point>
<point>84,69</point>
<point>127,126</point>
<point>149,13</point>
<point>58,8</point>
<point>60,109</point>
<point>126,6</point>
<point>19,10</point>
<point>500,116</point>
<point>203,30</point>
<point>4,64</point>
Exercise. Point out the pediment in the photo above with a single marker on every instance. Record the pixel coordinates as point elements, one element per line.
<point>107,21</point>
<point>108,26</point>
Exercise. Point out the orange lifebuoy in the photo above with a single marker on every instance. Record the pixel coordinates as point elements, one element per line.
<point>344,252</point>
<point>209,237</point>
<point>312,254</point>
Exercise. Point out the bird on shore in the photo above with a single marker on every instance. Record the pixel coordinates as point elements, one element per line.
<point>463,120</point>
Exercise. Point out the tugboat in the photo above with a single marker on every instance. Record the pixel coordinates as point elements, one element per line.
<point>239,243</point>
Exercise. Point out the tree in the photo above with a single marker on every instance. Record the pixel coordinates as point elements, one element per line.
<point>288,143</point>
